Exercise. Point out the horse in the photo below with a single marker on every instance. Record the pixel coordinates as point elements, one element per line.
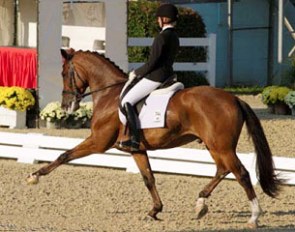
<point>203,113</point>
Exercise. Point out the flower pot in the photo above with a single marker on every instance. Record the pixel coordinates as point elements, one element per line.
<point>53,125</point>
<point>271,108</point>
<point>293,110</point>
<point>87,124</point>
<point>281,108</point>
<point>73,124</point>
<point>12,118</point>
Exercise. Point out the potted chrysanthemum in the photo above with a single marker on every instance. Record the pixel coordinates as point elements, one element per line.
<point>273,97</point>
<point>290,101</point>
<point>14,102</point>
<point>53,115</point>
<point>81,117</point>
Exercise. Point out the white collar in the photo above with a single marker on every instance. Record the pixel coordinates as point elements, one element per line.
<point>167,26</point>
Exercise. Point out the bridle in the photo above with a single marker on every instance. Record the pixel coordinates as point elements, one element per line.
<point>73,84</point>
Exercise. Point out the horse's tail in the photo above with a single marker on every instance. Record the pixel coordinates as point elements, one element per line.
<point>268,180</point>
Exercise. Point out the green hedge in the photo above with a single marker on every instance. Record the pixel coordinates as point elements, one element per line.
<point>142,23</point>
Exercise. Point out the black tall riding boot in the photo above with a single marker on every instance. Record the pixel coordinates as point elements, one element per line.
<point>133,143</point>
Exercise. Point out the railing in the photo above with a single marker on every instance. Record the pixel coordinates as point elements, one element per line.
<point>290,27</point>
<point>32,148</point>
<point>209,67</point>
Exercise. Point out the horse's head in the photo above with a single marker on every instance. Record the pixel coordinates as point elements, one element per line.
<point>74,84</point>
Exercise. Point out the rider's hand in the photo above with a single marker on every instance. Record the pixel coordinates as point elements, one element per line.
<point>132,75</point>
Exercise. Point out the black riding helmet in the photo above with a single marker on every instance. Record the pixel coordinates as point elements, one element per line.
<point>167,10</point>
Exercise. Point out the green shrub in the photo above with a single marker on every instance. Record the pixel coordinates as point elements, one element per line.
<point>273,94</point>
<point>143,23</point>
<point>244,89</point>
<point>290,99</point>
<point>190,79</point>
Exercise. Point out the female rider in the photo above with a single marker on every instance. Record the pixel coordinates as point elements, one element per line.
<point>154,72</point>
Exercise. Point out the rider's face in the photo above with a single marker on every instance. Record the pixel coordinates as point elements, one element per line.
<point>160,22</point>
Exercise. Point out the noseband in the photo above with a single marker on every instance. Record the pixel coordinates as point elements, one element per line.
<point>73,84</point>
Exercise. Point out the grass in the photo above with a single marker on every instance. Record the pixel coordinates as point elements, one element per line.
<point>249,90</point>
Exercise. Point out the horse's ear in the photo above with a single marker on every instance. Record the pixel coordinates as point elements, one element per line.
<point>67,55</point>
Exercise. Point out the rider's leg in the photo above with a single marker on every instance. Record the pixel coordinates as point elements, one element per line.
<point>140,90</point>
<point>134,95</point>
<point>134,134</point>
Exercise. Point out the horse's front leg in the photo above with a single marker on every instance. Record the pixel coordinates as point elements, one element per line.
<point>85,148</point>
<point>143,164</point>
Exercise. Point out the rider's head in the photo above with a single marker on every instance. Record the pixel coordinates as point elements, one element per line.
<point>167,14</point>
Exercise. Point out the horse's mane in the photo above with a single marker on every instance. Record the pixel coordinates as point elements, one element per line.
<point>102,56</point>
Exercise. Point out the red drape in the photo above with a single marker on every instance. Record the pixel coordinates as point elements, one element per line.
<point>18,67</point>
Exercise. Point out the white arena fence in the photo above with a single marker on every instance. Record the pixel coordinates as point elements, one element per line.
<point>208,67</point>
<point>33,148</point>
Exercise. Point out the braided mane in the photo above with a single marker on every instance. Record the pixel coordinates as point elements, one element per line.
<point>102,56</point>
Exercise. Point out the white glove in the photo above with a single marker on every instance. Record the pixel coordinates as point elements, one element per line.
<point>131,76</point>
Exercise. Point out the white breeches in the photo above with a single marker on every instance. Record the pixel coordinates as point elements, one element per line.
<point>140,90</point>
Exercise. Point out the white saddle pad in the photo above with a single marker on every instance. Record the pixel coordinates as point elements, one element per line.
<point>152,114</point>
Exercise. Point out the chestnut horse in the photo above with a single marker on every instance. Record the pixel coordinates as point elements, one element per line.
<point>200,113</point>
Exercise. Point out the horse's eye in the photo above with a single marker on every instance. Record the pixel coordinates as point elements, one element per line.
<point>63,75</point>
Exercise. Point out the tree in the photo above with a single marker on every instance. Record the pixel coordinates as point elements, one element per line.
<point>142,23</point>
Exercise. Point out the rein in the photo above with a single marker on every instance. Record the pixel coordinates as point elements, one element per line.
<point>101,89</point>
<point>75,92</point>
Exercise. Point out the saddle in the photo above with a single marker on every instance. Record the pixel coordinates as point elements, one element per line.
<point>151,109</point>
<point>138,106</point>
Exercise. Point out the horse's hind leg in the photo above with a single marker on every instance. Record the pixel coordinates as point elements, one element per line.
<point>226,163</point>
<point>143,164</point>
<point>201,208</point>
<point>83,149</point>
<point>243,177</point>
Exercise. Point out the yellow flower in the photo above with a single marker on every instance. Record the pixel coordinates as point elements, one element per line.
<point>273,94</point>
<point>16,98</point>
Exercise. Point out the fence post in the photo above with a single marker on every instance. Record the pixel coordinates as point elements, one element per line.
<point>211,60</point>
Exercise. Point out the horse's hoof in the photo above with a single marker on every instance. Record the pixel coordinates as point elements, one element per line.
<point>150,218</point>
<point>201,210</point>
<point>252,225</point>
<point>32,179</point>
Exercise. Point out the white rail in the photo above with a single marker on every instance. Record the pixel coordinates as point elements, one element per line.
<point>32,148</point>
<point>209,42</point>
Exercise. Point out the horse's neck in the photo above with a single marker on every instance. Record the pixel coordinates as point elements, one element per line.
<point>107,89</point>
<point>107,101</point>
<point>103,77</point>
<point>105,74</point>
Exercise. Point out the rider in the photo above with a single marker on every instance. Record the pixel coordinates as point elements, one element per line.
<point>155,71</point>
